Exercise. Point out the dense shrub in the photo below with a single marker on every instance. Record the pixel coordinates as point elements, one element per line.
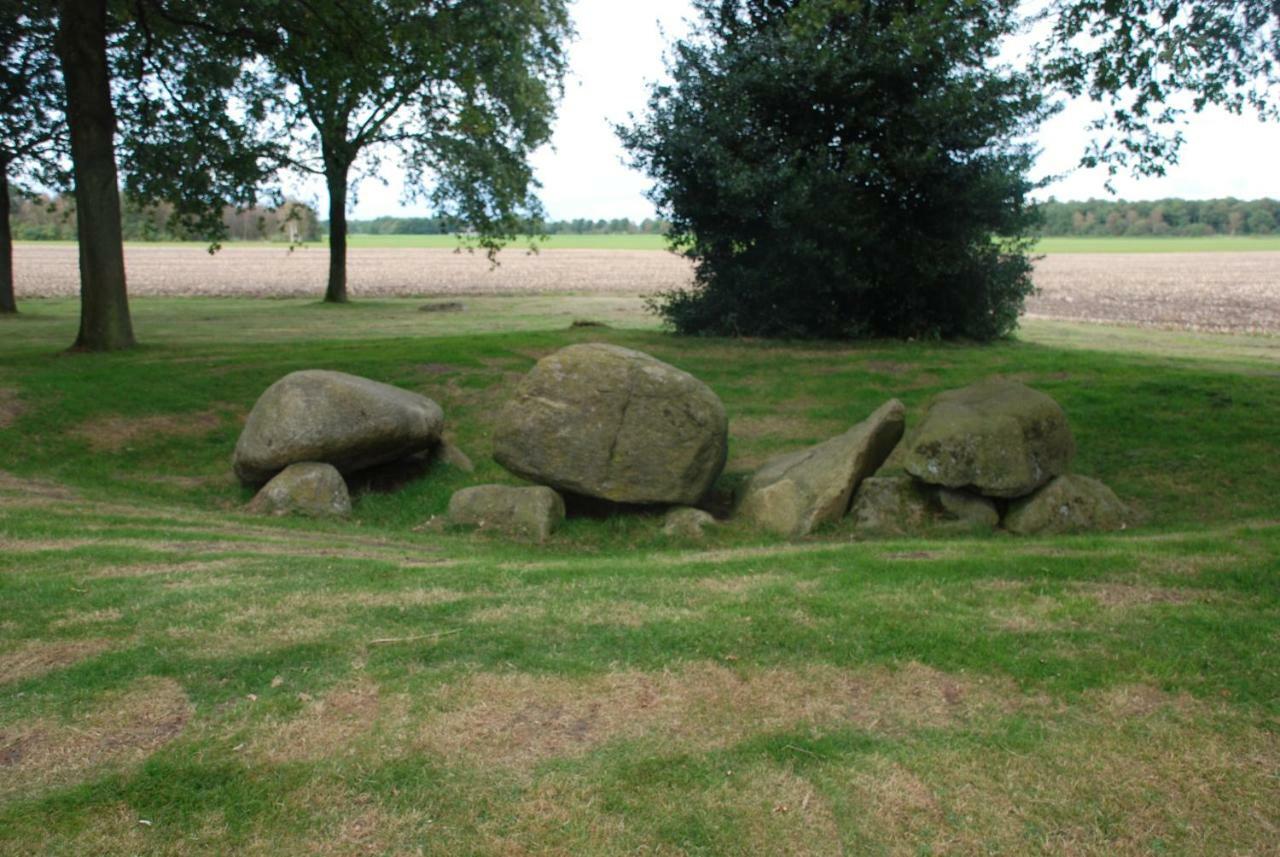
<point>844,168</point>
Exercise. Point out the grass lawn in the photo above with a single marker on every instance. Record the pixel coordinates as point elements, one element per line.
<point>177,677</point>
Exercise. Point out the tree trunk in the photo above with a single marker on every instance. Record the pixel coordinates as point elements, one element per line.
<point>8,305</point>
<point>104,304</point>
<point>336,177</point>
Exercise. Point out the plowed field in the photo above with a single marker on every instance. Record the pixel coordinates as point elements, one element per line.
<point>1225,292</point>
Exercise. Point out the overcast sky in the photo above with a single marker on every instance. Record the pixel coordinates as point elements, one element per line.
<point>619,52</point>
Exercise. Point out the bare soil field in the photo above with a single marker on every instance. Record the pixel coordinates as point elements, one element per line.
<point>1220,292</point>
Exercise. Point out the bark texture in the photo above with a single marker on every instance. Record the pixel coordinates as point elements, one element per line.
<point>336,178</point>
<point>8,304</point>
<point>105,324</point>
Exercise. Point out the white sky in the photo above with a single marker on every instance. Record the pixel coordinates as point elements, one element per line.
<point>619,51</point>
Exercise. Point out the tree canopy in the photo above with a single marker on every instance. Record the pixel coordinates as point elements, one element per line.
<point>460,92</point>
<point>1136,56</point>
<point>35,131</point>
<point>844,168</point>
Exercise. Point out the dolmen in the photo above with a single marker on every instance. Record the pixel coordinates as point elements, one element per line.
<point>312,429</point>
<point>609,424</point>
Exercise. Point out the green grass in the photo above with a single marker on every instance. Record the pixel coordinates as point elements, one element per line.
<point>262,686</point>
<point>1157,244</point>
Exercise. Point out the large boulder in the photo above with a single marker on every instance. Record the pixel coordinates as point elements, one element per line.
<point>794,493</point>
<point>533,512</point>
<point>350,422</point>
<point>310,488</point>
<point>998,438</point>
<point>1068,504</point>
<point>614,424</point>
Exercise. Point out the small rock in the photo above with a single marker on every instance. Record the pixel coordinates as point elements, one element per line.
<point>686,522</point>
<point>999,438</point>
<point>964,509</point>
<point>794,493</point>
<point>447,453</point>
<point>532,512</point>
<point>892,505</point>
<point>308,488</point>
<point>1068,504</point>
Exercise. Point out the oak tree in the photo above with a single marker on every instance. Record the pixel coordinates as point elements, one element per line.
<point>459,91</point>
<point>31,114</point>
<point>1136,56</point>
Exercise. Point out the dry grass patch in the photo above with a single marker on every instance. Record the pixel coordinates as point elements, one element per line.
<point>152,569</point>
<point>123,728</point>
<point>80,618</point>
<point>37,657</point>
<point>606,611</point>
<point>517,720</point>
<point>11,407</point>
<point>900,807</point>
<point>43,545</point>
<point>1114,782</point>
<point>42,488</point>
<point>743,585</point>
<point>333,725</point>
<point>115,433</point>
<point>420,597</point>
<point>1128,595</point>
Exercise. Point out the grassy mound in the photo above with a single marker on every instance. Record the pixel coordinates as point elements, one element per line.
<point>281,686</point>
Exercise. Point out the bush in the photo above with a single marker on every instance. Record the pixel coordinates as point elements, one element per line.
<point>844,169</point>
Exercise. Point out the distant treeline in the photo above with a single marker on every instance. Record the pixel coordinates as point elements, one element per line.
<point>1162,217</point>
<point>440,226</point>
<point>43,218</point>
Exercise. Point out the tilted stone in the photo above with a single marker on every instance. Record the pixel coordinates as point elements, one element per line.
<point>792,494</point>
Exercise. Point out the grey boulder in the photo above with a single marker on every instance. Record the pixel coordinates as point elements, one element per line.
<point>1068,504</point>
<point>533,512</point>
<point>892,505</point>
<point>999,438</point>
<point>686,522</point>
<point>614,424</point>
<point>794,493</point>
<point>350,422</point>
<point>309,488</point>
<point>964,510</point>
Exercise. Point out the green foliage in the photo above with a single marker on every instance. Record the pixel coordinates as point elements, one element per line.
<point>461,92</point>
<point>39,217</point>
<point>1135,56</point>
<point>844,168</point>
<point>30,96</point>
<point>1181,217</point>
